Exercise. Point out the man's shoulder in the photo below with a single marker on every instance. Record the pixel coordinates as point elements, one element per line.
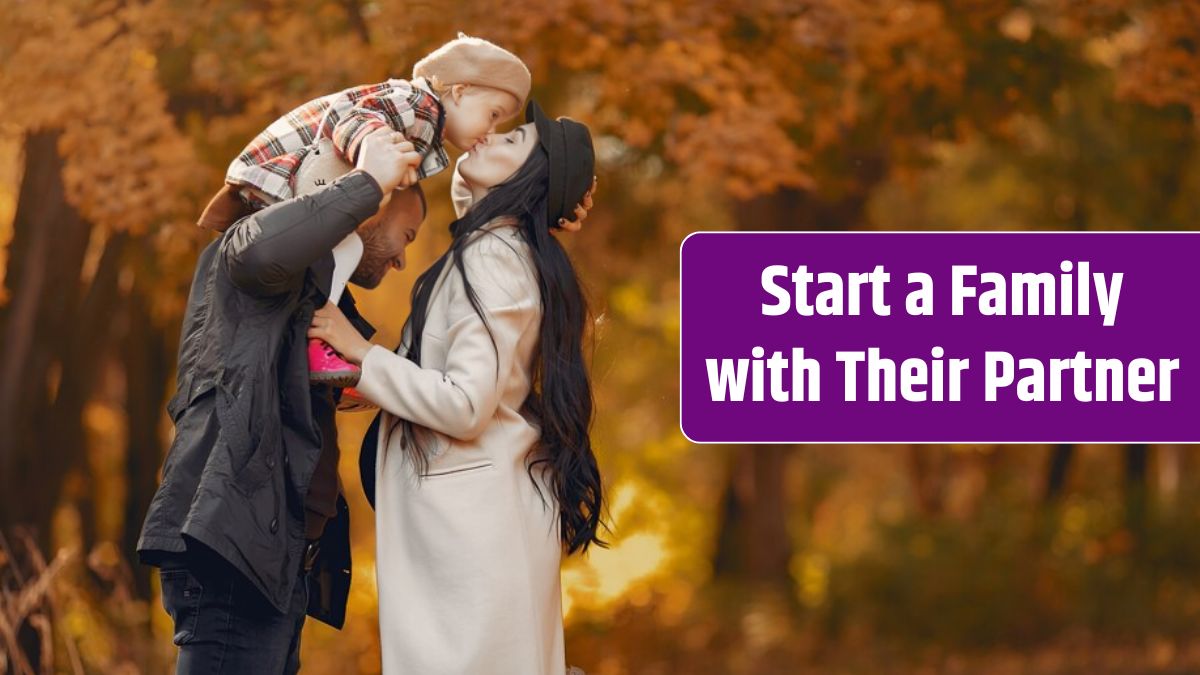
<point>204,262</point>
<point>215,273</point>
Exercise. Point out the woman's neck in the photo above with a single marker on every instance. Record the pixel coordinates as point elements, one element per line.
<point>477,193</point>
<point>503,221</point>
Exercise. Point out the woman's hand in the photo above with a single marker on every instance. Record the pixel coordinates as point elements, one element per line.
<point>330,325</point>
<point>581,211</point>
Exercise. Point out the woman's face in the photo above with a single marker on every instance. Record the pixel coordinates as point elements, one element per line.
<point>497,157</point>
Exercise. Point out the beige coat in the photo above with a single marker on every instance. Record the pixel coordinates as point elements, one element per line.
<point>468,556</point>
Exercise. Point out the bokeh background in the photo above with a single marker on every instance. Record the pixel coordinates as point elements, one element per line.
<point>118,117</point>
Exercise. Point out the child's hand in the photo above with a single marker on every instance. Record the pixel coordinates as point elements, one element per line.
<point>386,157</point>
<point>410,174</point>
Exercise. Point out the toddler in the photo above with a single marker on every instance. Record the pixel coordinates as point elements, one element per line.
<point>457,95</point>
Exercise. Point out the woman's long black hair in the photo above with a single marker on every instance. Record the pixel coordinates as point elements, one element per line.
<point>561,397</point>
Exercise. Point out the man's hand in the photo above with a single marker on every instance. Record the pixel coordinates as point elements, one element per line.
<point>581,211</point>
<point>389,159</point>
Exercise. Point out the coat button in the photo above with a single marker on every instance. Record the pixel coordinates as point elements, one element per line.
<point>271,462</point>
<point>274,525</point>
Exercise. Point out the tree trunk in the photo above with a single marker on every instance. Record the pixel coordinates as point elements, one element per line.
<point>1169,459</point>
<point>926,467</point>
<point>1056,476</point>
<point>53,335</point>
<point>1136,462</point>
<point>83,357</point>
<point>45,258</point>
<point>752,541</point>
<point>358,23</point>
<point>146,362</point>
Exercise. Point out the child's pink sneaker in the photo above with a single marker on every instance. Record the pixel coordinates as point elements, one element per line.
<point>326,366</point>
<point>353,401</point>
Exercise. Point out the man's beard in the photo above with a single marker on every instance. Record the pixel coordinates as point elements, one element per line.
<point>374,263</point>
<point>368,277</point>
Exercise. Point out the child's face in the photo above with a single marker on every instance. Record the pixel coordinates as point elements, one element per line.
<point>473,111</point>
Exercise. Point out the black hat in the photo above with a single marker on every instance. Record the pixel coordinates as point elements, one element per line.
<point>572,161</point>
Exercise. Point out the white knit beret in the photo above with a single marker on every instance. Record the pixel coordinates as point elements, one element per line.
<point>472,60</point>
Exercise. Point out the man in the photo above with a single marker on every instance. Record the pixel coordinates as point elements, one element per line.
<point>248,516</point>
<point>248,527</point>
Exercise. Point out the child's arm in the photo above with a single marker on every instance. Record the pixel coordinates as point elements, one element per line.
<point>406,110</point>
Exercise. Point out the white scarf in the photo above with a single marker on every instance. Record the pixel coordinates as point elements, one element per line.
<point>460,192</point>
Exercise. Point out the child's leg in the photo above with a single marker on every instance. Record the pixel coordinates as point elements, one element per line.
<point>224,209</point>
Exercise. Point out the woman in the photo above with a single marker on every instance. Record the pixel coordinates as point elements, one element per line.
<point>485,472</point>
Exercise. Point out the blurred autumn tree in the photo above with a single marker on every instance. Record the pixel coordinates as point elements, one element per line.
<point>833,114</point>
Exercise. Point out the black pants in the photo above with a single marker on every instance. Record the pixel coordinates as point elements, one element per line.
<point>224,626</point>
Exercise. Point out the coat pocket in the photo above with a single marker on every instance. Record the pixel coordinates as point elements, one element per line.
<point>258,466</point>
<point>181,594</point>
<point>465,470</point>
<point>189,390</point>
<point>434,351</point>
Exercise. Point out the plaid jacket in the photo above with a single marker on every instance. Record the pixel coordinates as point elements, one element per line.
<point>270,161</point>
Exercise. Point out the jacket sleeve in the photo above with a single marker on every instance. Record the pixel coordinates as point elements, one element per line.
<point>397,108</point>
<point>266,253</point>
<point>383,108</point>
<point>461,400</point>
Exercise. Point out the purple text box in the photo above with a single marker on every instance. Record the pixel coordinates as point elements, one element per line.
<point>722,319</point>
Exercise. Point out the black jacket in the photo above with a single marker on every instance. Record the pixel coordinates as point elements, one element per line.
<point>248,424</point>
